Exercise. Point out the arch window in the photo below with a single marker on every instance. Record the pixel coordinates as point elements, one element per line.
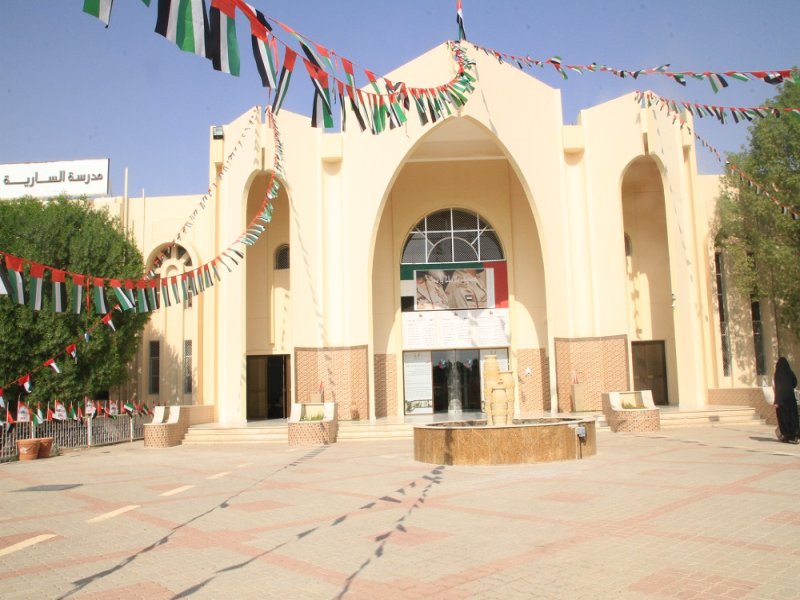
<point>449,236</point>
<point>282,257</point>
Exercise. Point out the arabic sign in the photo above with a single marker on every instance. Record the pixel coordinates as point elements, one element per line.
<point>46,179</point>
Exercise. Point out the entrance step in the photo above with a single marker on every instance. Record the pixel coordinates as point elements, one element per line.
<point>236,435</point>
<point>675,419</point>
<point>358,430</point>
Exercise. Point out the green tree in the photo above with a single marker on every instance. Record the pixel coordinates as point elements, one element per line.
<point>70,235</point>
<point>763,244</point>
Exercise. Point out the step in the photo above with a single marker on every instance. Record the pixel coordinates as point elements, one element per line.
<point>709,418</point>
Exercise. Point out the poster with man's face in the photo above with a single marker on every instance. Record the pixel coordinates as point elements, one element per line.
<point>453,289</point>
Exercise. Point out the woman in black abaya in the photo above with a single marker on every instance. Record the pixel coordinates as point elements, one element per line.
<point>786,403</point>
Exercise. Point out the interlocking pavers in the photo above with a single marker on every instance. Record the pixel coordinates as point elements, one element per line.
<point>701,513</point>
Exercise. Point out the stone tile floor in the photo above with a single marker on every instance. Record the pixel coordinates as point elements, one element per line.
<point>694,513</point>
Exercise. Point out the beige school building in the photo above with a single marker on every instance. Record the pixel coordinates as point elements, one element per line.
<point>395,263</point>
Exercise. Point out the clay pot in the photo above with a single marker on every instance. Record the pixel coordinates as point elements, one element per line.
<point>45,446</point>
<point>28,449</point>
<point>507,381</point>
<point>491,379</point>
<point>499,406</point>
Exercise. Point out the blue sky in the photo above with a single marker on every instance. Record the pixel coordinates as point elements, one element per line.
<point>72,89</point>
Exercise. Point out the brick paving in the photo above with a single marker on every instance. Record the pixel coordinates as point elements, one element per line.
<point>697,513</point>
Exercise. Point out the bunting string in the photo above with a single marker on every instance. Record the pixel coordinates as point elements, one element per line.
<point>652,100</point>
<point>738,114</point>
<point>717,79</point>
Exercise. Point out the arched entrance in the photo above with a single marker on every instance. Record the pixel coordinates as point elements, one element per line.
<point>268,309</point>
<point>651,327</point>
<point>457,273</point>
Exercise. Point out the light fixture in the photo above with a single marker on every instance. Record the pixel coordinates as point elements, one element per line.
<point>217,133</point>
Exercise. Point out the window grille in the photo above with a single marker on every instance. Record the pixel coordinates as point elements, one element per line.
<point>758,339</point>
<point>452,235</point>
<point>723,317</point>
<point>155,374</point>
<point>282,257</point>
<point>628,246</point>
<point>187,366</point>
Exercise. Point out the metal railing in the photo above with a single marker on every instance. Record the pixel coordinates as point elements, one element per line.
<point>74,434</point>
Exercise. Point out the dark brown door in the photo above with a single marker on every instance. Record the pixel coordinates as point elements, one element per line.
<point>267,389</point>
<point>650,369</point>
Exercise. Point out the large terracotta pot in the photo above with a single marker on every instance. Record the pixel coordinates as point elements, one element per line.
<point>498,406</point>
<point>491,374</point>
<point>507,381</point>
<point>28,449</point>
<point>45,446</point>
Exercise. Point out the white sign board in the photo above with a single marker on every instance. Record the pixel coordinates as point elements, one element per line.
<point>47,179</point>
<point>443,329</point>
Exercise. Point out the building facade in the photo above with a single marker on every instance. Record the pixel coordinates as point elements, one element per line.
<point>394,263</point>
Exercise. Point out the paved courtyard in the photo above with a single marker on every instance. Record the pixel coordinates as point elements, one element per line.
<point>692,513</point>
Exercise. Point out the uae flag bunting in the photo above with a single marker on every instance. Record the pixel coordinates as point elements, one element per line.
<point>23,413</point>
<point>717,81</point>
<point>25,382</point>
<point>52,364</point>
<point>342,107</point>
<point>265,51</point>
<point>49,413</point>
<point>128,406</point>
<point>60,413</point>
<point>152,294</point>
<point>107,320</point>
<point>165,293</point>
<point>185,22</point>
<point>78,283</point>
<point>10,418</point>
<point>145,409</point>
<point>214,268</point>
<point>37,279</point>
<point>71,414</point>
<point>192,283</point>
<point>460,22</point>
<point>141,296</point>
<point>15,279</point>
<point>72,350</point>
<point>59,279</point>
<point>99,296</point>
<point>88,336</point>
<point>99,8</point>
<point>289,58</point>
<point>224,47</point>
<point>174,285</point>
<point>5,284</point>
<point>184,288</point>
<point>321,111</point>
<point>122,297</point>
<point>130,287</point>
<point>207,275</point>
<point>38,417</point>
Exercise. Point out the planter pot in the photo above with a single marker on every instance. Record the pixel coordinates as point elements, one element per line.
<point>28,449</point>
<point>45,447</point>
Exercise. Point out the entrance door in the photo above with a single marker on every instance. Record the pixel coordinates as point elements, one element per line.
<point>650,369</point>
<point>267,389</point>
<point>456,380</point>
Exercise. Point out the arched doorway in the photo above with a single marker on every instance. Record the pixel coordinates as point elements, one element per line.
<point>651,327</point>
<point>457,209</point>
<point>268,309</point>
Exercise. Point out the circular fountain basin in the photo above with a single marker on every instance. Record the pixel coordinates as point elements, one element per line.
<point>526,441</point>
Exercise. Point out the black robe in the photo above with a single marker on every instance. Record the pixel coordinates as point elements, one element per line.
<point>785,401</point>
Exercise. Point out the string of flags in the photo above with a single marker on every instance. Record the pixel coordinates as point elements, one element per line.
<point>650,99</point>
<point>739,114</point>
<point>150,292</point>
<point>91,409</point>
<point>718,80</point>
<point>212,35</point>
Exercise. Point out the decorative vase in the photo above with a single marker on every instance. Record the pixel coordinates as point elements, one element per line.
<point>45,447</point>
<point>499,406</point>
<point>507,381</point>
<point>28,449</point>
<point>491,372</point>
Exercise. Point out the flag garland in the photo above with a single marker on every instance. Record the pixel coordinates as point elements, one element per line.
<point>649,99</point>
<point>717,80</point>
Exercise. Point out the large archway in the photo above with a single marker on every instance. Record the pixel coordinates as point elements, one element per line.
<point>651,326</point>
<point>268,320</point>
<point>459,177</point>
